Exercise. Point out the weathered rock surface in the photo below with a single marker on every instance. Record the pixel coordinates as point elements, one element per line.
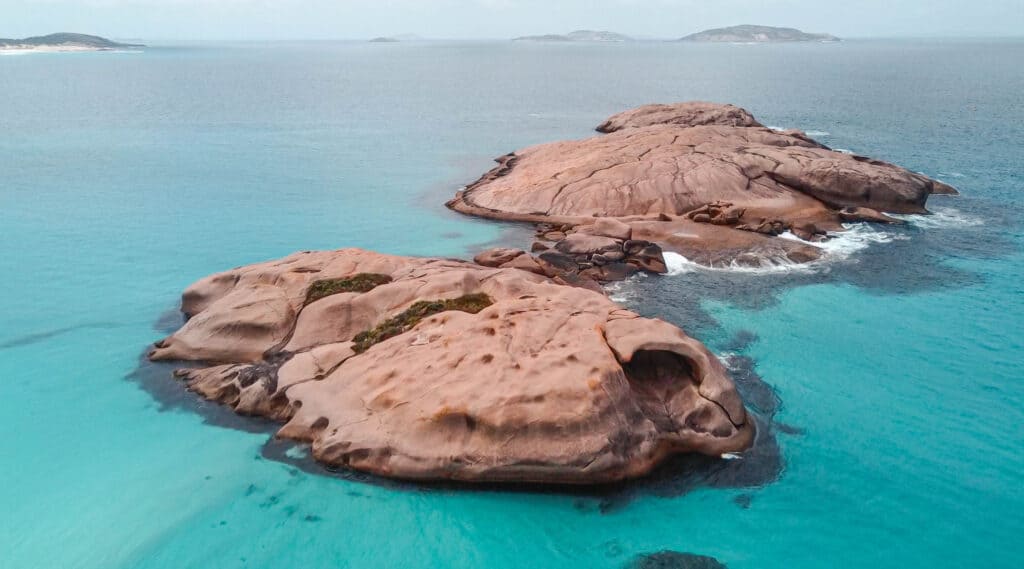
<point>544,383</point>
<point>660,162</point>
<point>696,113</point>
<point>855,214</point>
<point>496,257</point>
<point>673,170</point>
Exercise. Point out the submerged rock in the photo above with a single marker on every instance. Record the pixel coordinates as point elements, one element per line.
<point>452,370</point>
<point>675,560</point>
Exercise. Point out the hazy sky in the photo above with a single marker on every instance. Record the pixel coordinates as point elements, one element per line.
<point>340,19</point>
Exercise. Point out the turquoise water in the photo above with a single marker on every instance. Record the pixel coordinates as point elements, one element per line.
<point>124,177</point>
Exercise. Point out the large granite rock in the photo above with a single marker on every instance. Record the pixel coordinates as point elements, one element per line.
<point>437,369</point>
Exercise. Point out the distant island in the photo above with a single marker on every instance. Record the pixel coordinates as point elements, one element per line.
<point>757,34</point>
<point>398,38</point>
<point>579,36</point>
<point>63,42</point>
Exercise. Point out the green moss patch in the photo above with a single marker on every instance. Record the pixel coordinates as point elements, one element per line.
<point>471,303</point>
<point>362,282</point>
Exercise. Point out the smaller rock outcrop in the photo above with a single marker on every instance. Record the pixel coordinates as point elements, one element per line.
<point>496,257</point>
<point>858,214</point>
<point>689,167</point>
<point>602,251</point>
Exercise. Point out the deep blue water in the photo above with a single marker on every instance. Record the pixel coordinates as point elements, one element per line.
<point>125,177</point>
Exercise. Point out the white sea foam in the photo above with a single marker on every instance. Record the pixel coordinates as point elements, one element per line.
<point>678,265</point>
<point>619,292</point>
<point>842,245</point>
<point>843,150</point>
<point>939,218</point>
<point>857,237</point>
<point>297,452</point>
<point>622,291</point>
<point>807,132</point>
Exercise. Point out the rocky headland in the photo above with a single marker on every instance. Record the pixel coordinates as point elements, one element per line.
<point>516,367</point>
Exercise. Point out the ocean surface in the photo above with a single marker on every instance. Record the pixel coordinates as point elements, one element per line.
<point>894,372</point>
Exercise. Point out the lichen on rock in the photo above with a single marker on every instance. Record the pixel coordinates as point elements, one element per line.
<point>362,282</point>
<point>471,303</point>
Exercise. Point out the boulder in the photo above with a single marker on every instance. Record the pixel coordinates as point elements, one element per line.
<point>634,246</point>
<point>805,230</point>
<point>610,272</point>
<point>612,256</point>
<point>862,214</point>
<point>525,263</point>
<point>608,227</point>
<point>557,263</point>
<point>496,257</point>
<point>583,244</point>
<point>650,259</point>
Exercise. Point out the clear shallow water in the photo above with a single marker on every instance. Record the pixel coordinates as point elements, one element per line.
<point>124,177</point>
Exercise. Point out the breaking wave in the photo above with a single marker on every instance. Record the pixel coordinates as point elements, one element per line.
<point>940,217</point>
<point>678,265</point>
<point>842,246</point>
<point>807,132</point>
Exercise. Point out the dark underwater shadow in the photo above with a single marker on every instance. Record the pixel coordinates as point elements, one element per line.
<point>760,465</point>
<point>37,337</point>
